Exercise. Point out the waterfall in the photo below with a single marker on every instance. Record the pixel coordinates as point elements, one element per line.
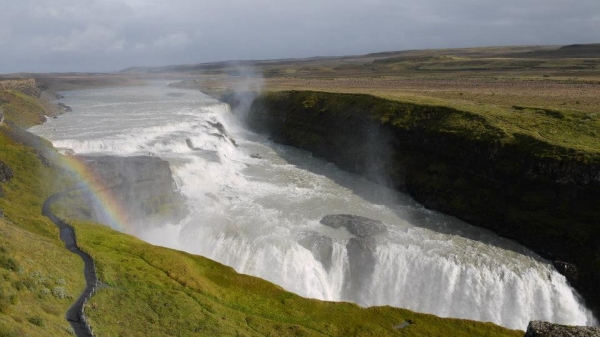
<point>257,206</point>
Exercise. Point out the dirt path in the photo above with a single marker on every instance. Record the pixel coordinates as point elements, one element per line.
<point>75,314</point>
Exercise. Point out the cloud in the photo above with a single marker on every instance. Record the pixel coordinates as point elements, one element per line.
<point>91,39</point>
<point>44,35</point>
<point>165,43</point>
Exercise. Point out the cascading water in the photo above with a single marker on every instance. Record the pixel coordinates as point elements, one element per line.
<point>257,207</point>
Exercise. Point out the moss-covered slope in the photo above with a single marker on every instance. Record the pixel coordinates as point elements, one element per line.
<point>543,193</point>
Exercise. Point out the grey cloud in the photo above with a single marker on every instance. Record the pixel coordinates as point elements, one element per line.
<point>107,35</point>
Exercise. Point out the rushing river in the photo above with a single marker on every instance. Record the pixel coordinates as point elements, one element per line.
<point>256,206</point>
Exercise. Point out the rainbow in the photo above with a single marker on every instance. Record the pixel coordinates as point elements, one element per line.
<point>112,213</point>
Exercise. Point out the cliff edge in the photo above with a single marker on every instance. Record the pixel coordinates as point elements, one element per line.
<point>142,186</point>
<point>541,193</point>
<point>25,102</point>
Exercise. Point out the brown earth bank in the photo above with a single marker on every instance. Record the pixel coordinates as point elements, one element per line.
<point>540,194</point>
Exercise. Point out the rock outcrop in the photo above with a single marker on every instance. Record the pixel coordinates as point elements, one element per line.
<point>6,172</point>
<point>143,187</point>
<point>361,249</point>
<point>545,329</point>
<point>542,195</point>
<point>357,225</point>
<point>65,107</point>
<point>320,246</point>
<point>27,86</point>
<point>25,103</point>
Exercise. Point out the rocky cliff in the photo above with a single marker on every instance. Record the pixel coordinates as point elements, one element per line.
<point>27,86</point>
<point>545,329</point>
<point>25,103</point>
<point>142,186</point>
<point>542,195</point>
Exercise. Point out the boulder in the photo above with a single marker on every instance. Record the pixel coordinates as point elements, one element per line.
<point>545,329</point>
<point>361,250</point>
<point>569,270</point>
<point>6,172</point>
<point>65,107</point>
<point>5,175</point>
<point>320,246</point>
<point>355,224</point>
<point>361,265</point>
<point>143,186</point>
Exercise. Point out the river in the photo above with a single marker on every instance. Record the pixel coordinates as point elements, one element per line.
<point>256,206</point>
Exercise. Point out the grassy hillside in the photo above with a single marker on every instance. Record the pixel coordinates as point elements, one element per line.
<point>21,109</point>
<point>162,292</point>
<point>37,282</point>
<point>151,290</point>
<point>24,103</point>
<point>569,133</point>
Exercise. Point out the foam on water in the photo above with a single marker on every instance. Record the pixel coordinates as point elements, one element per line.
<point>252,203</point>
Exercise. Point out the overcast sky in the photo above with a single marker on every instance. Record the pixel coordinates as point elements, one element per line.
<point>109,35</point>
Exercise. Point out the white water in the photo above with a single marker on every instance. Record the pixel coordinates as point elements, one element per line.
<point>250,213</point>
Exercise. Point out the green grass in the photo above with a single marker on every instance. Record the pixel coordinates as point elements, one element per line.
<point>21,109</point>
<point>485,81</point>
<point>162,292</point>
<point>546,132</point>
<point>37,282</point>
<point>35,296</point>
<point>448,63</point>
<point>561,127</point>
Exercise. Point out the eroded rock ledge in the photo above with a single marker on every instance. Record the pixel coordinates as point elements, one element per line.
<point>545,329</point>
<point>361,249</point>
<point>143,186</point>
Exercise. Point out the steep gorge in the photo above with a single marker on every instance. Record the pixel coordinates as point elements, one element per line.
<point>158,291</point>
<point>540,194</point>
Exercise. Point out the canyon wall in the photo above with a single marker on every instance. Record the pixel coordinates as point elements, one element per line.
<point>544,196</point>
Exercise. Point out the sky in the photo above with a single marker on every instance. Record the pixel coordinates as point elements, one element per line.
<point>110,35</point>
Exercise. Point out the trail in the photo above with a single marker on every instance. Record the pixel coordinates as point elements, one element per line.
<point>75,314</point>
